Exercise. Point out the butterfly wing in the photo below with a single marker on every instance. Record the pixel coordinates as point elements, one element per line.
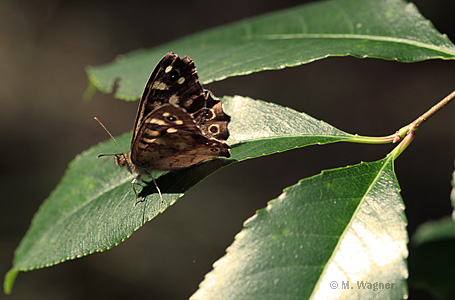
<point>174,80</point>
<point>169,139</point>
<point>212,120</point>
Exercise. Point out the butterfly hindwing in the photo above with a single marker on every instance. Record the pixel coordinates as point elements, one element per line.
<point>212,120</point>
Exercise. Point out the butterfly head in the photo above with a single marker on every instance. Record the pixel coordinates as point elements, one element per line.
<point>124,160</point>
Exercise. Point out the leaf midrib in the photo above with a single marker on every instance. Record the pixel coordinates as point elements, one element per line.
<point>377,38</point>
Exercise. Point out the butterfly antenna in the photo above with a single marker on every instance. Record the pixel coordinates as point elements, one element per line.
<point>123,151</point>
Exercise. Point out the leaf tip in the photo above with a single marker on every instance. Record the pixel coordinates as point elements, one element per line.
<point>10,277</point>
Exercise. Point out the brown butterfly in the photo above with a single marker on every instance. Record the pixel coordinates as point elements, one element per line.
<point>178,123</point>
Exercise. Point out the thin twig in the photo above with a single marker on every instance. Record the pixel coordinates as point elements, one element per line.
<point>407,133</point>
<point>420,120</point>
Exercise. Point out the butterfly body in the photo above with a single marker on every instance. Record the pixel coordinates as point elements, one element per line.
<point>178,123</point>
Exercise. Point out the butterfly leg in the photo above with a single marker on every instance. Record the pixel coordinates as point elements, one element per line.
<point>135,180</point>
<point>158,189</point>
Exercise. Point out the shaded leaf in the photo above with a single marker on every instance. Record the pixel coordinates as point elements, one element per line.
<point>389,29</point>
<point>452,194</point>
<point>327,237</point>
<point>432,248</point>
<point>431,231</point>
<point>430,257</point>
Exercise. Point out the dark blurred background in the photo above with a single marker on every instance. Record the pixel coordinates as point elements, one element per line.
<point>44,122</point>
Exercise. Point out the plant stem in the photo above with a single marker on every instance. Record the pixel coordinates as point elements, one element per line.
<point>407,133</point>
<point>420,120</point>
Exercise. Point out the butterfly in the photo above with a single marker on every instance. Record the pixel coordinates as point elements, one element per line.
<point>178,123</point>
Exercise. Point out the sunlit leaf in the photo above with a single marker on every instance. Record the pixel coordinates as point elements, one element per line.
<point>337,235</point>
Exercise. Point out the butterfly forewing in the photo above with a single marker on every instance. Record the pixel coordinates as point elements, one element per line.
<point>168,139</point>
<point>174,81</point>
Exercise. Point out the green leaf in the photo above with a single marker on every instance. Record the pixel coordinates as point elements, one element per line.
<point>452,195</point>
<point>327,237</point>
<point>432,231</point>
<point>389,29</point>
<point>91,210</point>
<point>431,250</point>
<point>432,247</point>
